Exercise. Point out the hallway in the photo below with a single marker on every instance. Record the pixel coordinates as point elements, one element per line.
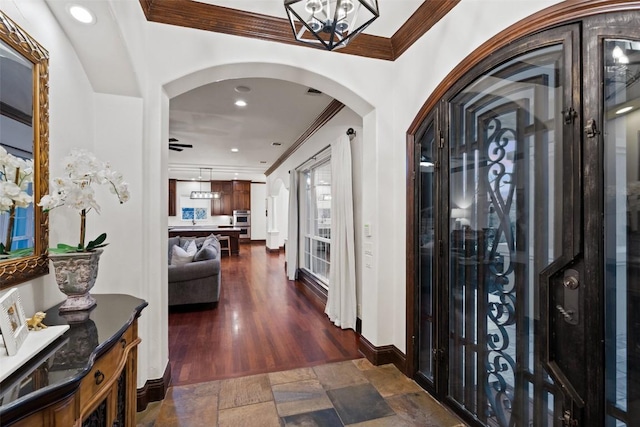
<point>262,323</point>
<point>268,356</point>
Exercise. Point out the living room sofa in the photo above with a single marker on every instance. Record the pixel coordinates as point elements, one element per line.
<point>195,281</point>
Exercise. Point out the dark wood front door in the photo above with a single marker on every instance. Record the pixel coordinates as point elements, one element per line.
<point>527,213</point>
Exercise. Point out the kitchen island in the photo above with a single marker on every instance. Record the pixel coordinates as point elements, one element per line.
<point>205,230</point>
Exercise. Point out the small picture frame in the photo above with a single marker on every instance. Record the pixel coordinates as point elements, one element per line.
<point>13,323</point>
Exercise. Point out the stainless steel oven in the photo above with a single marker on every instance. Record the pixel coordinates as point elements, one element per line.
<point>245,232</point>
<point>242,220</point>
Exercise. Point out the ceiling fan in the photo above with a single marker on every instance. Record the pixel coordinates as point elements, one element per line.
<point>177,147</point>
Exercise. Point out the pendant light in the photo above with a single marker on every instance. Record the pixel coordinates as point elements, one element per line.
<point>331,24</point>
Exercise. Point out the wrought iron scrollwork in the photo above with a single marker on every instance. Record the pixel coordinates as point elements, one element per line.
<point>501,292</point>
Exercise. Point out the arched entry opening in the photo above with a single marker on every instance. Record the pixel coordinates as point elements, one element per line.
<point>268,70</point>
<point>522,279</point>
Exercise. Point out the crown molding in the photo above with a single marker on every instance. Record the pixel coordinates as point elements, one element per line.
<point>208,17</point>
<point>327,114</point>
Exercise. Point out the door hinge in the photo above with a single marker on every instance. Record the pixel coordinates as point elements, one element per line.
<point>567,420</point>
<point>437,353</point>
<point>569,115</point>
<point>591,129</point>
<point>441,144</point>
<point>436,165</point>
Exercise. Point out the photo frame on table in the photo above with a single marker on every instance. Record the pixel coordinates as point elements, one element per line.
<point>13,323</point>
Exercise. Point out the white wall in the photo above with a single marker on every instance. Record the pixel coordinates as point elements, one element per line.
<point>258,211</point>
<point>335,128</point>
<point>384,96</point>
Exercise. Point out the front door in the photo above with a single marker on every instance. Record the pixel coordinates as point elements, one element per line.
<point>538,158</point>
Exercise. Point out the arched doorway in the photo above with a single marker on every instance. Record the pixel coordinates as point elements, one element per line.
<point>523,273</point>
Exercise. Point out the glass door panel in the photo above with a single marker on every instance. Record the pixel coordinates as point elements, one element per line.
<point>622,236</point>
<point>506,195</point>
<point>426,252</point>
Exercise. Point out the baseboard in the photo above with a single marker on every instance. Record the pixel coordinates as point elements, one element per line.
<point>382,355</point>
<point>272,250</point>
<point>313,286</point>
<point>153,390</point>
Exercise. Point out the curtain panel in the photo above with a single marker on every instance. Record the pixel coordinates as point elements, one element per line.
<point>341,299</point>
<point>292,236</point>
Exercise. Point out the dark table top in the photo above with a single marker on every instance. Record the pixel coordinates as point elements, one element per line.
<point>58,369</point>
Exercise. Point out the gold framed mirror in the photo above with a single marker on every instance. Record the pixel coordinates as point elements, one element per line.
<point>24,143</point>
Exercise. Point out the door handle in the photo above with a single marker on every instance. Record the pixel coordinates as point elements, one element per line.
<point>570,310</point>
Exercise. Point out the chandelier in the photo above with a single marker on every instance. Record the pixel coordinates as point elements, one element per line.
<point>204,194</point>
<point>331,24</point>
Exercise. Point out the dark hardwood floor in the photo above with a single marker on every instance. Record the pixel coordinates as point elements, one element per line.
<point>262,323</point>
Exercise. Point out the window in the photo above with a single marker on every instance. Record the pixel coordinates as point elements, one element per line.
<point>315,219</point>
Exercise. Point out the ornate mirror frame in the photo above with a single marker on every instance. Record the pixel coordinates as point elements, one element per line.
<point>18,270</point>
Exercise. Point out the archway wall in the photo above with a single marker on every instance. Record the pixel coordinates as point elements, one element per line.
<point>385,95</point>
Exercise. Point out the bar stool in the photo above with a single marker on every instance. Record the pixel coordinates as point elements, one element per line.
<point>226,247</point>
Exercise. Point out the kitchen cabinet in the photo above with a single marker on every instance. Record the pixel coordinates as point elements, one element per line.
<point>89,378</point>
<point>223,205</point>
<point>241,195</point>
<point>172,197</point>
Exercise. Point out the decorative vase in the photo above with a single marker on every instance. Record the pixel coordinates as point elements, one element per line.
<point>76,274</point>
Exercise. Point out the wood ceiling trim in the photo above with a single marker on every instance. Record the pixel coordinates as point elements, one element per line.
<point>425,17</point>
<point>203,16</point>
<point>554,15</point>
<point>208,17</point>
<point>327,114</point>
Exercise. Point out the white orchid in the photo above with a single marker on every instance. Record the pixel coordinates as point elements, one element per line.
<point>75,190</point>
<point>14,189</point>
<point>16,175</point>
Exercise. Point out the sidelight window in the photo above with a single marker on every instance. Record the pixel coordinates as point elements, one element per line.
<point>315,218</point>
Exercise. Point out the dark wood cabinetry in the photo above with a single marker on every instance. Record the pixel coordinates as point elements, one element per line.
<point>89,379</point>
<point>223,205</point>
<point>241,195</point>
<point>234,195</point>
<point>172,197</point>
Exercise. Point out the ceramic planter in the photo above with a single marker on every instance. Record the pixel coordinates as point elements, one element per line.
<point>76,274</point>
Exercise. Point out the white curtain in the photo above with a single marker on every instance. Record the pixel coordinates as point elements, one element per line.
<point>341,301</point>
<point>292,236</point>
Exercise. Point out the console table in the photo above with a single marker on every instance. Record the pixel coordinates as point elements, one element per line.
<point>87,377</point>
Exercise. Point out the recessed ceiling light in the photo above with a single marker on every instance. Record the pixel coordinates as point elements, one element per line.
<point>624,110</point>
<point>234,150</point>
<point>241,103</point>
<point>276,144</point>
<point>82,14</point>
<point>243,89</point>
<point>236,174</point>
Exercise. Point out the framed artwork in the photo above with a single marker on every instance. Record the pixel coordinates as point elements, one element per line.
<point>13,323</point>
<point>187,214</point>
<point>193,214</point>
<point>200,214</point>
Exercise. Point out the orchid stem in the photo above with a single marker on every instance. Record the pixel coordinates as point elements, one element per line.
<point>83,222</point>
<point>12,218</point>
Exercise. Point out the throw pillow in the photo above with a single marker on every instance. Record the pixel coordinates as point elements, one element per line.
<point>172,242</point>
<point>180,256</point>
<point>207,252</point>
<point>185,243</point>
<point>209,240</point>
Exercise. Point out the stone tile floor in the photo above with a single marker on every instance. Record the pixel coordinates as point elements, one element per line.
<point>353,393</point>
